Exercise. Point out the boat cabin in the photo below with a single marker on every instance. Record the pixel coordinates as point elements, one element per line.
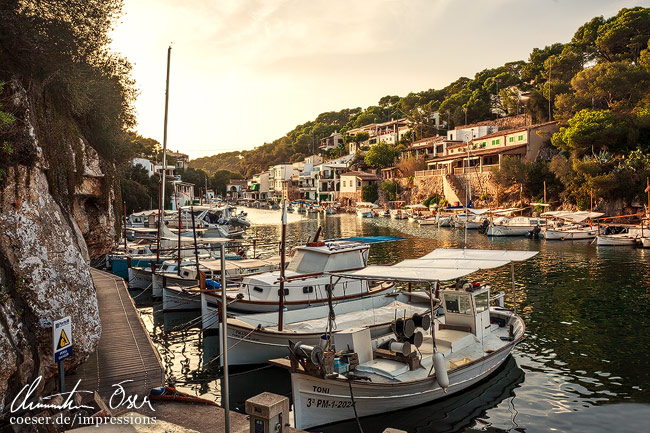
<point>317,257</point>
<point>467,311</point>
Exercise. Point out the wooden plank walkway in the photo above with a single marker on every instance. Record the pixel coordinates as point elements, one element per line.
<point>125,351</point>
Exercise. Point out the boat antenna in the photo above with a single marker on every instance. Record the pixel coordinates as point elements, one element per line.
<point>318,232</point>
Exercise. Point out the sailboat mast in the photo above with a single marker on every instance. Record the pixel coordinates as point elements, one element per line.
<point>164,167</point>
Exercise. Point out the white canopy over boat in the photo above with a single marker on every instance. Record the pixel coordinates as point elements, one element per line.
<point>478,211</point>
<point>441,265</point>
<point>576,217</point>
<point>366,204</point>
<point>507,211</point>
<point>417,206</point>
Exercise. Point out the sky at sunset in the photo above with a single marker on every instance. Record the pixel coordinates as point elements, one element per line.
<point>246,72</point>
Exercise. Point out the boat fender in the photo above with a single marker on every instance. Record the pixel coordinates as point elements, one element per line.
<point>441,371</point>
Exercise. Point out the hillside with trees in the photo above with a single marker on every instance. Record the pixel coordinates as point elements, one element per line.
<point>597,86</point>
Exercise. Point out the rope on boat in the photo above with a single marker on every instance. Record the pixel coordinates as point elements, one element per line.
<point>354,406</point>
<point>229,348</point>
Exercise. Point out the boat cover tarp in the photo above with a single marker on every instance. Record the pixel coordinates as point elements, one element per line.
<point>441,265</point>
<point>575,217</point>
<point>360,318</point>
<point>472,254</point>
<point>371,239</point>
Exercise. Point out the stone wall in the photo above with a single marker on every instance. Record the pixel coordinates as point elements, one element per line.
<point>46,240</point>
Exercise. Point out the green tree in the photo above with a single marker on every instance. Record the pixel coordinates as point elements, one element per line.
<point>613,85</point>
<point>370,193</point>
<point>391,188</point>
<point>381,155</point>
<point>590,131</point>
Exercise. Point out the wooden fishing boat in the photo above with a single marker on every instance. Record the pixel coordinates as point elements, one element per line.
<point>358,374</point>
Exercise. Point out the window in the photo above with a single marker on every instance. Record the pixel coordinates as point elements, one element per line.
<point>258,289</point>
<point>286,292</point>
<point>511,139</point>
<point>521,137</point>
<point>498,140</point>
<point>358,183</point>
<point>344,185</point>
<point>458,303</point>
<point>482,302</point>
<point>493,142</point>
<point>308,289</point>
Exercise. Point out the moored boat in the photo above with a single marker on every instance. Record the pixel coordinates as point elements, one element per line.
<point>359,374</point>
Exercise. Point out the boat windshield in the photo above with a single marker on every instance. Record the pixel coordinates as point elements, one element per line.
<point>304,262</point>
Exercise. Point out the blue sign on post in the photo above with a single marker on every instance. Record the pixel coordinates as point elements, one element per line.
<point>62,338</point>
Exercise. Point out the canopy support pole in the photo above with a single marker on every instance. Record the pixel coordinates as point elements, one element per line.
<point>514,292</point>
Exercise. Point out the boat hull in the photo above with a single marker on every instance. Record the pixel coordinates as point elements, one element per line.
<point>319,401</point>
<point>139,278</point>
<point>504,230</point>
<point>615,241</point>
<point>176,299</point>
<point>570,235</point>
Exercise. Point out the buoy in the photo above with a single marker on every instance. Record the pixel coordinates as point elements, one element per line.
<point>441,371</point>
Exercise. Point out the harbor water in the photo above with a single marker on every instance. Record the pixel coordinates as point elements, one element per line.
<point>582,368</point>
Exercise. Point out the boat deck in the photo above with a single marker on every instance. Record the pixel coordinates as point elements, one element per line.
<point>125,351</point>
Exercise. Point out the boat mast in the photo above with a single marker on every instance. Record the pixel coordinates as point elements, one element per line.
<point>164,167</point>
<point>283,246</point>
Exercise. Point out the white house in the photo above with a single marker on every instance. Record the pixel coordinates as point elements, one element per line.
<point>182,194</point>
<point>146,164</point>
<point>332,142</point>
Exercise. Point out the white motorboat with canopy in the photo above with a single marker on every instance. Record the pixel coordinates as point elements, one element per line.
<point>504,224</point>
<point>361,374</point>
<point>365,209</point>
<point>571,225</point>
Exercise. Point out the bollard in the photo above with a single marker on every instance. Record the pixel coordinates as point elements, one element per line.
<point>268,413</point>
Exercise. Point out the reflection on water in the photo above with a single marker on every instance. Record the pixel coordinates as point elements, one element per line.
<point>583,366</point>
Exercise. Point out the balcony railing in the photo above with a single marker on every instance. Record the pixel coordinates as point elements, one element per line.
<point>434,172</point>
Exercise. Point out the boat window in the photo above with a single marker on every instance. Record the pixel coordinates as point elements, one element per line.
<point>482,302</point>
<point>308,289</point>
<point>286,292</point>
<point>186,273</point>
<point>258,289</point>
<point>456,303</point>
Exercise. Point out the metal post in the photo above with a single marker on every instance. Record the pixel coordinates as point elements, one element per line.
<point>179,241</point>
<point>196,250</point>
<point>124,223</point>
<point>514,292</point>
<point>283,247</point>
<point>225,393</point>
<point>62,376</point>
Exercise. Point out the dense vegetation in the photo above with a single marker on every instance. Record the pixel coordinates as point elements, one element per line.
<point>597,86</point>
<point>600,87</point>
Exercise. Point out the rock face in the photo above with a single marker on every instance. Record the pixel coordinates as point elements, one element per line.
<point>46,243</point>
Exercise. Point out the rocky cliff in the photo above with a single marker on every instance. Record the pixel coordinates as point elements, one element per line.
<point>57,201</point>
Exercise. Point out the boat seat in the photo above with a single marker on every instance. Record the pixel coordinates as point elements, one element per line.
<point>455,340</point>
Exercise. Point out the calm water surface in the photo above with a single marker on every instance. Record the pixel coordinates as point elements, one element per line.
<point>585,366</point>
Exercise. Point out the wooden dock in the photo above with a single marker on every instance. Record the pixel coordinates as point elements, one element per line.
<point>125,352</point>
